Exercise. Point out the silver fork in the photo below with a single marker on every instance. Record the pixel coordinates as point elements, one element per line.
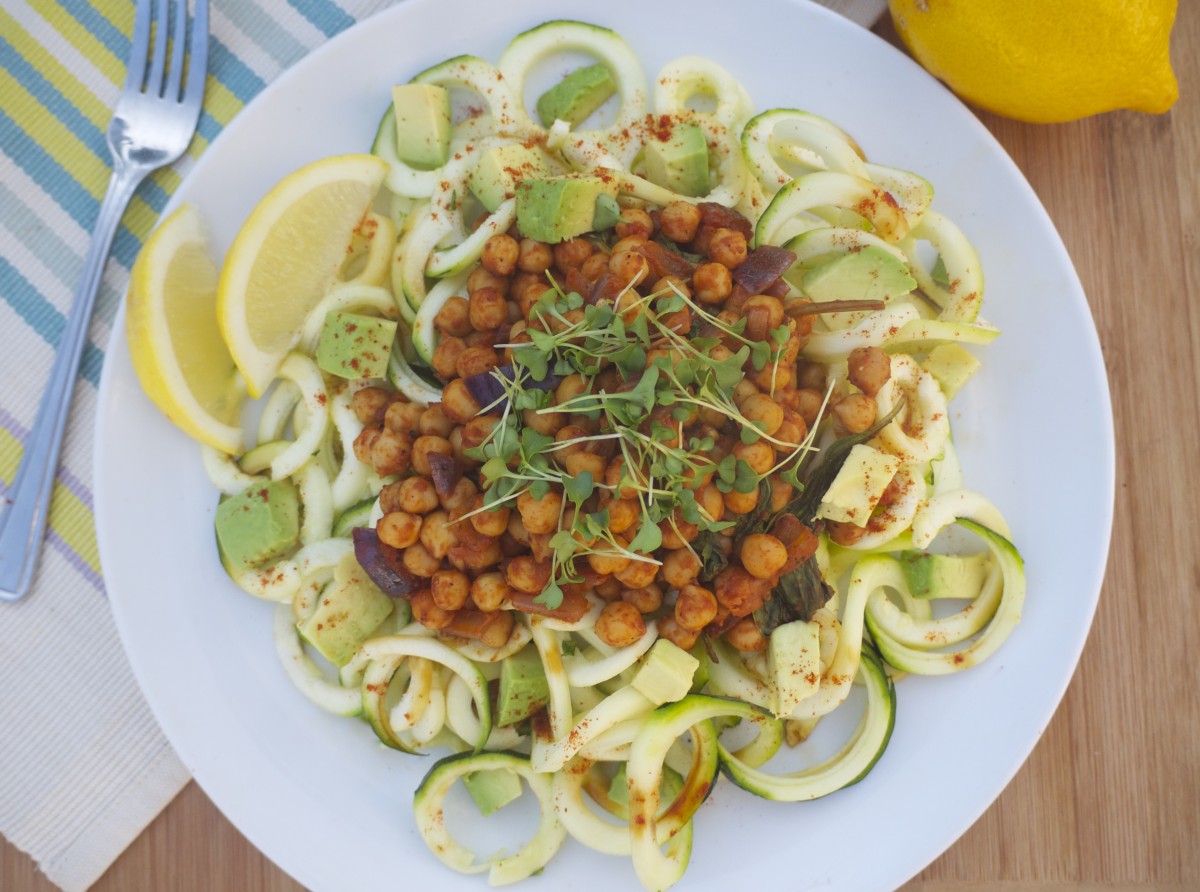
<point>153,123</point>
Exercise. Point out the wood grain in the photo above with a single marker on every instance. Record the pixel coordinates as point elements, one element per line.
<point>1110,798</point>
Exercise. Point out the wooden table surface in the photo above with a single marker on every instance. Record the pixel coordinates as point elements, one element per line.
<point>1110,798</point>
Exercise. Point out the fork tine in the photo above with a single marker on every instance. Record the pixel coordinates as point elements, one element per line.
<point>198,64</point>
<point>178,44</point>
<point>136,74</point>
<point>159,62</point>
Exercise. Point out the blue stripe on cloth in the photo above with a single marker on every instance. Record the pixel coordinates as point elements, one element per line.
<point>266,32</point>
<point>101,28</point>
<point>326,15</point>
<point>48,96</point>
<point>44,318</point>
<point>231,71</point>
<point>55,254</point>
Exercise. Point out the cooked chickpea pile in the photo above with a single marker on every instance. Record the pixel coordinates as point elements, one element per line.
<point>479,564</point>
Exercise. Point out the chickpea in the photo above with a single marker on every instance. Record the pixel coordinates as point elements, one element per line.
<point>527,574</point>
<point>856,412</point>
<point>569,387</point>
<point>572,253</point>
<point>808,405</point>
<point>498,632</point>
<point>623,514</point>
<point>622,483</point>
<point>454,318</point>
<point>415,495</point>
<point>772,306</point>
<point>762,555</point>
<point>534,256</point>
<point>620,624</point>
<point>628,267</point>
<point>607,562</point>
<point>712,283</point>
<point>677,532</point>
<point>419,562</point>
<point>792,431</point>
<point>427,612</point>
<point>728,248</point>
<point>869,369</point>
<point>477,430</point>
<point>403,417</point>
<point>668,628</point>
<point>491,522</point>
<point>774,378</point>
<point>489,591</point>
<point>450,589</point>
<point>810,375</point>
<point>500,254</point>
<point>488,309</point>
<point>744,635</point>
<point>579,462</point>
<point>516,528</point>
<point>766,414</point>
<point>481,277</point>
<point>457,403</point>
<point>781,493</point>
<point>634,221</point>
<point>671,283</point>
<point>368,403</point>
<point>711,502</point>
<point>425,445</point>
<point>739,592</point>
<point>695,607</point>
<point>391,453</point>
<point>398,529</point>
<point>434,421</point>
<point>759,456</point>
<point>646,600</point>
<point>638,574</point>
<point>680,568</point>
<point>461,497</point>
<point>438,534</point>
<point>843,533</point>
<point>547,423</point>
<point>740,502</point>
<point>679,221</point>
<point>594,267</point>
<point>476,361</point>
<point>365,442</point>
<point>540,515</point>
<point>445,357</point>
<point>742,391</point>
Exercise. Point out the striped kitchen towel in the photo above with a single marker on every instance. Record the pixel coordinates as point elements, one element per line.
<point>83,766</point>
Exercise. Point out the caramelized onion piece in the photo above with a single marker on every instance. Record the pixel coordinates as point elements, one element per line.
<point>383,564</point>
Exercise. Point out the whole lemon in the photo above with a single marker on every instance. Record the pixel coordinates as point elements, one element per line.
<point>1045,62</point>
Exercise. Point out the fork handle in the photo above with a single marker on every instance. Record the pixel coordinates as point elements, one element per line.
<point>23,525</point>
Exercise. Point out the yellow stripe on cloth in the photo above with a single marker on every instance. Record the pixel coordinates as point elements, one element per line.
<point>70,518</point>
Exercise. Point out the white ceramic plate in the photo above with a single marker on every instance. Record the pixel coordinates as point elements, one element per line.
<point>330,806</point>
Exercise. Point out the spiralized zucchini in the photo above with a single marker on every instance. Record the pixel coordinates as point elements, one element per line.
<point>621,744</point>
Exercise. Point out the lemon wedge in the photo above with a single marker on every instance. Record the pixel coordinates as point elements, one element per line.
<point>286,257</point>
<point>174,340</point>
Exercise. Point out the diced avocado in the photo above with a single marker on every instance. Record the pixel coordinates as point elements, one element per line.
<point>501,170</point>
<point>492,790</point>
<point>523,687</point>
<point>794,664</point>
<point>576,96</point>
<point>258,524</point>
<point>350,608</point>
<point>945,575</point>
<point>618,787</point>
<point>680,162</point>
<point>867,274</point>
<point>554,209</point>
<point>422,124</point>
<point>607,214</point>
<point>666,673</point>
<point>952,366</point>
<point>355,346</point>
<point>858,486</point>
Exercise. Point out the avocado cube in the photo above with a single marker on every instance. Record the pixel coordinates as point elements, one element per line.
<point>554,209</point>
<point>502,169</point>
<point>869,274</point>
<point>858,486</point>
<point>952,366</point>
<point>422,124</point>
<point>680,162</point>
<point>492,790</point>
<point>258,524</point>
<point>350,608</point>
<point>945,575</point>
<point>666,673</point>
<point>576,96</point>
<point>523,687</point>
<point>355,346</point>
<point>793,664</point>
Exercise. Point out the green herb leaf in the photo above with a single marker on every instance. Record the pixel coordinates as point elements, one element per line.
<point>579,488</point>
<point>648,539</point>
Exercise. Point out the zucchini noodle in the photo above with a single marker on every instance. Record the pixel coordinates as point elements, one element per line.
<point>600,655</point>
